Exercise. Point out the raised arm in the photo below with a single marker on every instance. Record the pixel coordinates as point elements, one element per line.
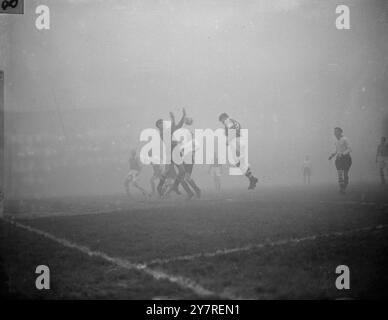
<point>172,117</point>
<point>181,121</point>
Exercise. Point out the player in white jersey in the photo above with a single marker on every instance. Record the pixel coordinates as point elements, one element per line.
<point>382,158</point>
<point>231,124</point>
<point>157,172</point>
<point>306,170</point>
<point>188,160</point>
<point>169,167</point>
<point>187,151</point>
<point>343,160</point>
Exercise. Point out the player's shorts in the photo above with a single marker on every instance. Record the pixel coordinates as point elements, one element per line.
<point>158,170</point>
<point>238,156</point>
<point>169,171</point>
<point>383,162</point>
<point>132,176</point>
<point>215,171</point>
<point>307,171</point>
<point>343,162</point>
<point>188,167</point>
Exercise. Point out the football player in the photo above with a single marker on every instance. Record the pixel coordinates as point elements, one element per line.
<point>230,124</point>
<point>343,160</point>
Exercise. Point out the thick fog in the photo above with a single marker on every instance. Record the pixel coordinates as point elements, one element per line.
<point>78,95</point>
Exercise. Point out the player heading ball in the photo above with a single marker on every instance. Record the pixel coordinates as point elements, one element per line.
<point>239,148</point>
<point>231,142</point>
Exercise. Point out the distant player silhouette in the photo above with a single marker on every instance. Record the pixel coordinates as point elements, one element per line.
<point>306,168</point>
<point>133,175</point>
<point>382,158</point>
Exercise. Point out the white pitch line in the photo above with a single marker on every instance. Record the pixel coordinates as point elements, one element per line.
<point>149,205</point>
<point>361,203</point>
<point>262,245</point>
<point>182,282</point>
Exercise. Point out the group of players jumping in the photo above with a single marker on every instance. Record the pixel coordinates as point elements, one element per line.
<point>171,176</point>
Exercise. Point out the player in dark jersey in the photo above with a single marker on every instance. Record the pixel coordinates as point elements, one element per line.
<point>133,175</point>
<point>179,167</point>
<point>229,124</point>
<point>188,162</point>
<point>157,170</point>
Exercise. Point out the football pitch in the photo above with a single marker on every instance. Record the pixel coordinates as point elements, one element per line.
<point>273,243</point>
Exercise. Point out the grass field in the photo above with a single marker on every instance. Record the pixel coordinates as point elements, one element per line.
<point>273,243</point>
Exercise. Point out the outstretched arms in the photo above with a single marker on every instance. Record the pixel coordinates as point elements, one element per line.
<point>172,117</point>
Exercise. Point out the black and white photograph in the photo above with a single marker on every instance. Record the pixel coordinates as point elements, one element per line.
<point>202,150</point>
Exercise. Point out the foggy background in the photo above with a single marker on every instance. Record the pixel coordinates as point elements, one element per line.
<point>78,95</point>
